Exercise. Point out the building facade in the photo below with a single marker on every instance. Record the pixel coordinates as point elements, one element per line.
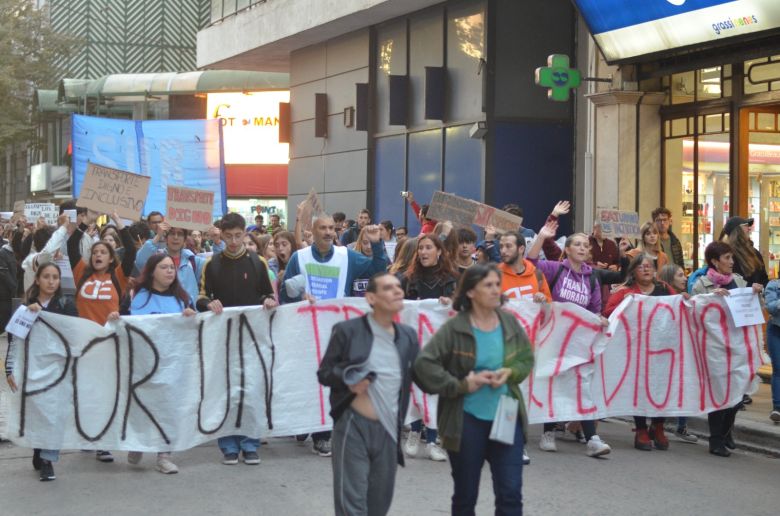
<point>396,95</point>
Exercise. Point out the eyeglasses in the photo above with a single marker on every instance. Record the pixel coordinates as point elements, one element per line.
<point>233,237</point>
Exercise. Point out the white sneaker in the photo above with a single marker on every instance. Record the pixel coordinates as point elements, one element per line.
<point>412,444</point>
<point>775,416</point>
<point>134,457</point>
<point>548,442</point>
<point>165,466</point>
<point>526,458</point>
<point>435,453</point>
<point>596,447</point>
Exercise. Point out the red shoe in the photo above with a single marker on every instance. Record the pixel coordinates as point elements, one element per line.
<point>659,438</point>
<point>642,440</point>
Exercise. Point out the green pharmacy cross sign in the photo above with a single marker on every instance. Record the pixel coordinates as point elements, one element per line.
<point>558,77</point>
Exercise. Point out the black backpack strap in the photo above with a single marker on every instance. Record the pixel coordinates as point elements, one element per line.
<point>555,278</point>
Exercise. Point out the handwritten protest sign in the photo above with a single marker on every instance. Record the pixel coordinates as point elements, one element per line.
<point>252,372</point>
<point>19,207</point>
<point>616,223</point>
<point>189,208</point>
<point>744,307</point>
<point>310,207</point>
<point>47,210</point>
<point>108,190</point>
<point>465,212</point>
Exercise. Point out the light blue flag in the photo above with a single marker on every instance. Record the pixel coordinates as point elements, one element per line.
<point>185,153</point>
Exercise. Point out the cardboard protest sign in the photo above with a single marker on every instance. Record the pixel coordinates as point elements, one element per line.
<point>108,190</point>
<point>47,210</point>
<point>252,371</point>
<point>19,208</point>
<point>465,212</point>
<point>188,208</point>
<point>616,223</point>
<point>310,207</point>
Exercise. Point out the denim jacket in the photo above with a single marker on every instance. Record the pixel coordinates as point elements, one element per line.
<point>772,300</point>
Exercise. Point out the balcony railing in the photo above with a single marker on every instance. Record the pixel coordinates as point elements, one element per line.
<point>221,9</point>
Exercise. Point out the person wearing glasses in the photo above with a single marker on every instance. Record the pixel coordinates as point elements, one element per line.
<point>172,241</point>
<point>235,277</point>
<point>640,280</point>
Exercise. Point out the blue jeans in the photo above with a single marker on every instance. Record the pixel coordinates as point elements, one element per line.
<point>506,466</point>
<point>235,443</point>
<point>773,343</point>
<point>430,434</point>
<point>682,422</point>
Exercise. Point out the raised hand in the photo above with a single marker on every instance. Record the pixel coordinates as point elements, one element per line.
<point>562,208</point>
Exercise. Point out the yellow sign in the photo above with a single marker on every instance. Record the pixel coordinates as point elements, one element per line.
<point>250,126</point>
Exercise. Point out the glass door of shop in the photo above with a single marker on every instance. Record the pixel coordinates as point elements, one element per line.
<point>696,181</point>
<point>760,164</point>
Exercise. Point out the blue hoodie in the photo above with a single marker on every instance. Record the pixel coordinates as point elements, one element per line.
<point>189,278</point>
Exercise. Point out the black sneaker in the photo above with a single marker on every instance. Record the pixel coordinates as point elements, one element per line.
<point>36,460</point>
<point>251,458</point>
<point>47,471</point>
<point>747,400</point>
<point>104,456</point>
<point>322,448</point>
<point>729,443</point>
<point>230,459</point>
<point>301,438</point>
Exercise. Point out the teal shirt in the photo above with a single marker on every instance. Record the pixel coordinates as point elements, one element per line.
<point>482,404</point>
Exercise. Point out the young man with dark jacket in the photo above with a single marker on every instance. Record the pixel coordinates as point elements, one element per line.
<point>235,277</point>
<point>368,367</point>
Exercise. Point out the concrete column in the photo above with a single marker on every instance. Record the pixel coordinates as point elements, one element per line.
<point>616,149</point>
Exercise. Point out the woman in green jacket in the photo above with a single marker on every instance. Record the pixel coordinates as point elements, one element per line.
<point>472,360</point>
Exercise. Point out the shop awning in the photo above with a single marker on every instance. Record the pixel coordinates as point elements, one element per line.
<point>208,81</point>
<point>256,180</point>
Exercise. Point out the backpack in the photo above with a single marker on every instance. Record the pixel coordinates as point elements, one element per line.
<point>695,275</point>
<point>558,273</point>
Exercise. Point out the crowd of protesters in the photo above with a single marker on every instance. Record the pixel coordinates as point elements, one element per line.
<point>151,267</point>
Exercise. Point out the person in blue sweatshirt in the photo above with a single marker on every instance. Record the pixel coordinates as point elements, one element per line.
<point>157,291</point>
<point>326,271</point>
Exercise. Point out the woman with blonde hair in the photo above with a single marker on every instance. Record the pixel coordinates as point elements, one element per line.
<point>404,255</point>
<point>650,245</point>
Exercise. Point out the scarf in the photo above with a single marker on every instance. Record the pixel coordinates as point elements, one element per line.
<point>721,280</point>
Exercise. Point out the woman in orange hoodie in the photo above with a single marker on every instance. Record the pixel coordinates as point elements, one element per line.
<point>100,279</point>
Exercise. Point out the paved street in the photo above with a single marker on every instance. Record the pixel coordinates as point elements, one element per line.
<point>291,481</point>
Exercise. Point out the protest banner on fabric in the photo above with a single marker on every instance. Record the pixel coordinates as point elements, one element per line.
<point>465,212</point>
<point>616,223</point>
<point>108,190</point>
<point>168,382</point>
<point>188,208</point>
<point>185,153</point>
<point>6,216</point>
<point>47,210</point>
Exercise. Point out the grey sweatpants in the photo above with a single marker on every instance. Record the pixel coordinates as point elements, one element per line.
<point>364,466</point>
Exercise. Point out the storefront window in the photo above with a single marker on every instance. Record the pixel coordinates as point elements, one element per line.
<point>249,208</point>
<point>762,75</point>
<point>697,182</point>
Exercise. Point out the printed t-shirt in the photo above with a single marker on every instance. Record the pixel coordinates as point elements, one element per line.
<point>98,297</point>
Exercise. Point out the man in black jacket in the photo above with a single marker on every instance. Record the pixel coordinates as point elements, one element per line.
<point>368,367</point>
<point>8,283</point>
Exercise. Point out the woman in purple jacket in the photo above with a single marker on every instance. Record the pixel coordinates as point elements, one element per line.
<point>571,281</point>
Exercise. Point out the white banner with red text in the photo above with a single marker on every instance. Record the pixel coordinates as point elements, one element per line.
<point>169,382</point>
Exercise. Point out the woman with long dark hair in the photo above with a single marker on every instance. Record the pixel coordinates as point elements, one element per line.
<point>429,276</point>
<point>157,291</point>
<point>44,294</point>
<point>473,360</point>
<point>284,247</point>
<point>101,279</point>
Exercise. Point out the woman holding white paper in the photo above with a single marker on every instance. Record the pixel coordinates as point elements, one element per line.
<point>473,361</point>
<point>719,279</point>
<point>44,294</point>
